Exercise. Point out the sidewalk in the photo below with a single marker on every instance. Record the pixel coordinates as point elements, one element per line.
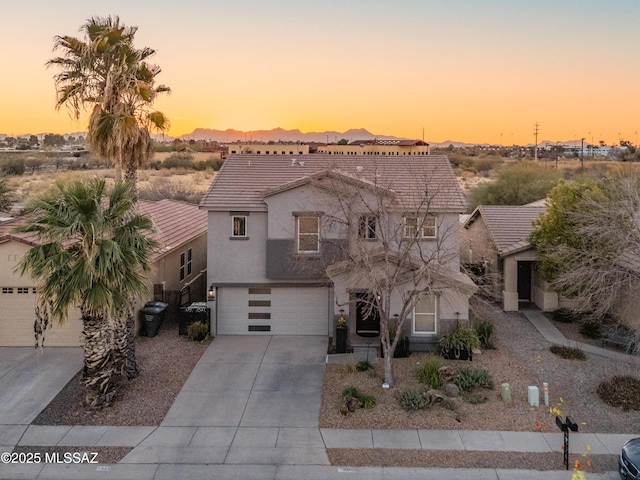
<point>552,335</point>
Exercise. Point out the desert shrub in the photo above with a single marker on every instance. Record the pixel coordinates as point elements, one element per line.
<point>517,184</point>
<point>563,315</point>
<point>198,331</point>
<point>476,398</point>
<point>178,161</point>
<point>429,373</point>
<point>363,366</point>
<point>591,329</point>
<point>350,367</point>
<point>449,404</point>
<point>412,400</point>
<point>621,392</point>
<point>13,166</point>
<point>484,164</point>
<point>165,188</point>
<point>469,378</point>
<point>212,163</point>
<point>367,401</point>
<point>484,330</point>
<point>569,353</point>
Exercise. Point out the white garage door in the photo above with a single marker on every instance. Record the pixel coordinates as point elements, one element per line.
<point>17,307</point>
<point>273,311</point>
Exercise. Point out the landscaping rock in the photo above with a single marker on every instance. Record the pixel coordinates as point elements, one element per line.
<point>451,390</point>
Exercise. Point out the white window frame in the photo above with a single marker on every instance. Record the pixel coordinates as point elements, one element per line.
<point>411,231</point>
<point>300,234</point>
<point>365,231</point>
<point>243,218</point>
<point>434,314</point>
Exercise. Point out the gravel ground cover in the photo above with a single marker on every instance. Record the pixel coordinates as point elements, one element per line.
<point>165,361</point>
<point>522,358</point>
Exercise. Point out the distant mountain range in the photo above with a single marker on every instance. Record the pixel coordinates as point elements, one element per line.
<point>282,135</point>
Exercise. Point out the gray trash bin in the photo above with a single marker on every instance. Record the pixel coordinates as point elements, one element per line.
<point>152,316</point>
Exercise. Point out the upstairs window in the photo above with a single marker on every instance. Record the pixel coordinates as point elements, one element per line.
<point>367,227</point>
<point>308,232</point>
<point>420,226</point>
<point>239,226</point>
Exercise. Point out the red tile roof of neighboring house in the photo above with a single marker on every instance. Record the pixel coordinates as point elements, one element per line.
<point>243,179</point>
<point>176,223</point>
<point>508,225</point>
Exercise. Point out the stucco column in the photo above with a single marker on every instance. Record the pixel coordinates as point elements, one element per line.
<point>510,292</point>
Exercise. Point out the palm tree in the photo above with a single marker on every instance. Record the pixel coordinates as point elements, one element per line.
<point>106,73</point>
<point>93,253</point>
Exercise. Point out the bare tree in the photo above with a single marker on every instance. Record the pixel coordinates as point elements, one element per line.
<point>597,259</point>
<point>401,241</point>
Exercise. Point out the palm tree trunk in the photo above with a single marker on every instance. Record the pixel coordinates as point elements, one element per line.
<point>131,362</point>
<point>98,363</point>
<point>119,351</point>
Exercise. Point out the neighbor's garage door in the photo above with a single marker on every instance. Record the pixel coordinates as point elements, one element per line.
<point>273,311</point>
<point>17,307</point>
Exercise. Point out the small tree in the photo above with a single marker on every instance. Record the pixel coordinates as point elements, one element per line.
<point>401,249</point>
<point>589,245</point>
<point>7,192</point>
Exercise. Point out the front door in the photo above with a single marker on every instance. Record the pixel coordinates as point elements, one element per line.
<point>524,281</point>
<point>367,316</point>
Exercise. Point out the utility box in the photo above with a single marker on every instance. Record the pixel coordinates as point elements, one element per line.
<point>534,396</point>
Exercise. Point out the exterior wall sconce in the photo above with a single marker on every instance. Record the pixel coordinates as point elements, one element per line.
<point>211,294</point>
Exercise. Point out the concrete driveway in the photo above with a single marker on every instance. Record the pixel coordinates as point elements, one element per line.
<point>29,379</point>
<point>249,400</point>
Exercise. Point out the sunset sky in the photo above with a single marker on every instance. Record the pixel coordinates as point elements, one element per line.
<point>464,70</point>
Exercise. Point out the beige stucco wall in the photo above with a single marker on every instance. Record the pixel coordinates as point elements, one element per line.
<point>17,310</point>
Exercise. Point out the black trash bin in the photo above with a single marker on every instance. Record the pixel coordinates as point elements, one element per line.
<point>195,312</point>
<point>152,316</point>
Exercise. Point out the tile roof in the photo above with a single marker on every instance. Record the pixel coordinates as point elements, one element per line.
<point>508,225</point>
<point>176,223</point>
<point>243,179</point>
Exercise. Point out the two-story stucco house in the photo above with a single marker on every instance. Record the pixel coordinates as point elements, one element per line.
<point>287,236</point>
<point>181,230</point>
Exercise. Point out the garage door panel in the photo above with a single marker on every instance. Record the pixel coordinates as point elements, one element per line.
<point>286,311</point>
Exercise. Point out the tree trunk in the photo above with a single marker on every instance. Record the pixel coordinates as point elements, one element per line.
<point>98,363</point>
<point>388,368</point>
<point>132,363</point>
<point>119,352</point>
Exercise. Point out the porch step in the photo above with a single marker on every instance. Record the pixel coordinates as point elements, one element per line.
<point>365,351</point>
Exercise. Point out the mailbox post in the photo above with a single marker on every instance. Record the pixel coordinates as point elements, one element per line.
<point>565,426</point>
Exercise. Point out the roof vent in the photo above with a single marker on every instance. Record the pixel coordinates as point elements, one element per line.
<point>301,163</point>
<point>359,168</point>
<point>293,162</point>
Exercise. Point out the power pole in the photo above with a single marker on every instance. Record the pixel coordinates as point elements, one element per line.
<point>536,130</point>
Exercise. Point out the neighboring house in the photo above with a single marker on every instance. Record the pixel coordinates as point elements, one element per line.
<point>278,239</point>
<point>179,262</point>
<point>494,244</point>
<point>268,149</point>
<point>378,147</point>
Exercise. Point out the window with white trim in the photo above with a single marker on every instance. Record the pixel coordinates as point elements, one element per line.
<point>182,264</point>
<point>239,226</point>
<point>420,226</point>
<point>308,234</point>
<point>189,257</point>
<point>425,315</point>
<point>367,227</point>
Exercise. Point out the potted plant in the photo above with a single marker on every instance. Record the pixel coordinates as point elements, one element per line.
<point>459,343</point>
<point>341,334</point>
